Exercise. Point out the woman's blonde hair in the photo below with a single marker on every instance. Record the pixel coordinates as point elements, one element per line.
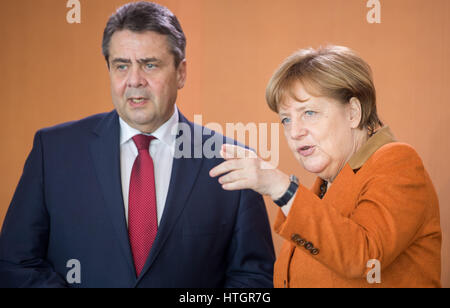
<point>333,71</point>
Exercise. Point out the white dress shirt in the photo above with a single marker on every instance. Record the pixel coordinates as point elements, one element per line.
<point>162,152</point>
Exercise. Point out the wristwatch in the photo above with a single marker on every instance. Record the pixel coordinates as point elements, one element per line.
<point>292,189</point>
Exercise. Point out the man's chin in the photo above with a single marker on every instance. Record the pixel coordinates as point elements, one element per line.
<point>141,123</point>
<point>142,116</point>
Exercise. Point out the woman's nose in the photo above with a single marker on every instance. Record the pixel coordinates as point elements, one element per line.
<point>298,130</point>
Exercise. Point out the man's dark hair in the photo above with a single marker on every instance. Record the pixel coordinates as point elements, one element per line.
<point>146,16</point>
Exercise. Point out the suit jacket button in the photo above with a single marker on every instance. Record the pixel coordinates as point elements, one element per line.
<point>309,245</point>
<point>295,237</point>
<point>315,251</point>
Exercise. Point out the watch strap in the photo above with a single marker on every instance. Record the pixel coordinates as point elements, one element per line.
<point>290,192</point>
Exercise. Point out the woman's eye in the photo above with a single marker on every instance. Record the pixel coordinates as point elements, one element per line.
<point>310,113</point>
<point>285,121</point>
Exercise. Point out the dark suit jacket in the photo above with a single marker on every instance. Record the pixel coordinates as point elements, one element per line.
<point>68,205</point>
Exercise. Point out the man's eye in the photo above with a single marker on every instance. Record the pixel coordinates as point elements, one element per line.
<point>121,67</point>
<point>310,113</point>
<point>150,66</point>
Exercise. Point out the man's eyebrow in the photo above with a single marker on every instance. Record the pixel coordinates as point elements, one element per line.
<point>148,60</point>
<point>120,60</point>
<point>140,61</point>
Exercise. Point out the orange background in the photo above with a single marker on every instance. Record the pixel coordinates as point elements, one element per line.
<point>52,71</point>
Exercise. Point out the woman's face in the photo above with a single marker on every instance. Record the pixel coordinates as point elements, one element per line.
<point>319,131</point>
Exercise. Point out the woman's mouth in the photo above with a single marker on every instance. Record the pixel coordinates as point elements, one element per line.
<point>306,150</point>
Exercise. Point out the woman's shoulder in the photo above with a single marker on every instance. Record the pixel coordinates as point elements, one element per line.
<point>396,148</point>
<point>395,155</point>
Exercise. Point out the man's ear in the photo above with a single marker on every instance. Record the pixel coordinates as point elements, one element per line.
<point>107,64</point>
<point>354,112</point>
<point>181,74</point>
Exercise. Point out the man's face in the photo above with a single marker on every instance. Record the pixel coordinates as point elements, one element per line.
<point>144,79</point>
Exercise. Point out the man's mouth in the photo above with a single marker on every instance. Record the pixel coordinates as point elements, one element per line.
<point>135,101</point>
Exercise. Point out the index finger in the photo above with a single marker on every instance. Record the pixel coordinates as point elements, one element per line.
<point>230,151</point>
<point>225,167</point>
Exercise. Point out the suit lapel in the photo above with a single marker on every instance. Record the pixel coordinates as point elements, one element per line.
<point>185,171</point>
<point>105,151</point>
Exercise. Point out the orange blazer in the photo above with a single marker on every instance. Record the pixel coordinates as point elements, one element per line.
<point>382,206</point>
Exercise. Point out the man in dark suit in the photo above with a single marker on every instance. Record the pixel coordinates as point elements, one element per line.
<point>123,199</point>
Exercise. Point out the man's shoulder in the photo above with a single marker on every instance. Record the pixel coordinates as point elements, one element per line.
<point>205,134</point>
<point>82,126</point>
<point>206,142</point>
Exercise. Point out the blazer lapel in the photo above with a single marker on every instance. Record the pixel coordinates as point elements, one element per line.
<point>185,171</point>
<point>105,151</point>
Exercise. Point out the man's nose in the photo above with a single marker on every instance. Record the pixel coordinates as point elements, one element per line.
<point>136,79</point>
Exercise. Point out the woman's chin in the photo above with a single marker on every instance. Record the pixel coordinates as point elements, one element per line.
<point>316,168</point>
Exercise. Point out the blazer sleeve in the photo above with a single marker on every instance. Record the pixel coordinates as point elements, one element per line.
<point>25,231</point>
<point>251,254</point>
<point>392,206</point>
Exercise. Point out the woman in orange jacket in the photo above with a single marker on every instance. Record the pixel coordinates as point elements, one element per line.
<point>372,217</point>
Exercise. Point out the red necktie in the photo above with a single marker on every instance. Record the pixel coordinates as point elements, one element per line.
<point>142,217</point>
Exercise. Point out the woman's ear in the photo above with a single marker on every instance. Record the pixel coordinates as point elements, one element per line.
<point>354,112</point>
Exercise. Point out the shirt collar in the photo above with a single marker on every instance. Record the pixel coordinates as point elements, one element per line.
<point>163,133</point>
<point>381,137</point>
